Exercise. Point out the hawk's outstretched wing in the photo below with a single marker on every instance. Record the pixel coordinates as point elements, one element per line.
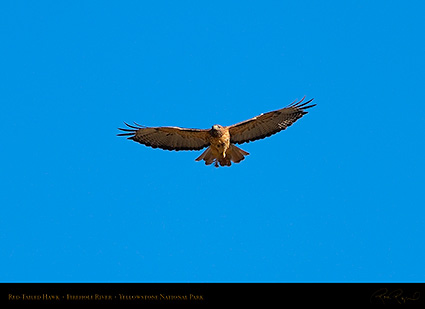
<point>168,138</point>
<point>268,124</point>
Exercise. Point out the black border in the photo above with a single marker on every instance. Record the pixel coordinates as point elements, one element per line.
<point>139,294</point>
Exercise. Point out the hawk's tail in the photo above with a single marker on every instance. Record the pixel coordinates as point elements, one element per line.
<point>207,156</point>
<point>233,154</point>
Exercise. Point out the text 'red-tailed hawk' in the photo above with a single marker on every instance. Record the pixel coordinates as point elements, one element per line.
<point>219,140</point>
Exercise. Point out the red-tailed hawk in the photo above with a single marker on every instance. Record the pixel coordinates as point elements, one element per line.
<point>219,140</point>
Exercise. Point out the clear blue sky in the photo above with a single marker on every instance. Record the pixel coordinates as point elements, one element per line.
<point>338,197</point>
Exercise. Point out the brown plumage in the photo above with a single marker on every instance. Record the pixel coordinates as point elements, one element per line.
<point>219,140</point>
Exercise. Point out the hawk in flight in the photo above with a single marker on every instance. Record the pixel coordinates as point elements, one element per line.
<point>219,140</point>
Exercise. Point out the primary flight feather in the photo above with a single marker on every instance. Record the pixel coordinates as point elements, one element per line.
<point>219,140</point>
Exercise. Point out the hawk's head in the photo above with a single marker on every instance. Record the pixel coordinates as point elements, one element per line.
<point>216,130</point>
